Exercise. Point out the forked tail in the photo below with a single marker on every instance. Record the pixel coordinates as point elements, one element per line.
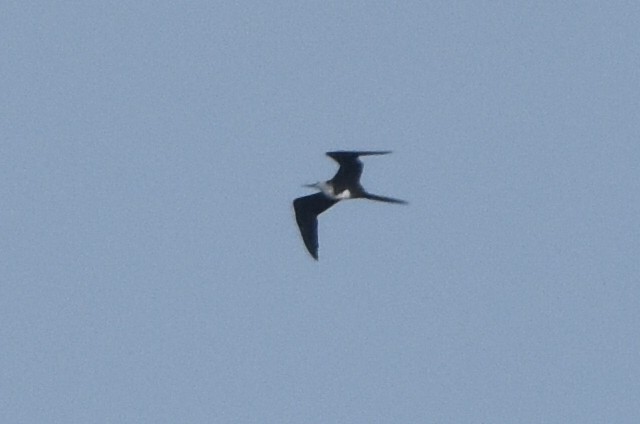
<point>383,199</point>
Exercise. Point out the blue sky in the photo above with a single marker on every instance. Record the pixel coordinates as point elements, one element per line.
<point>151,267</point>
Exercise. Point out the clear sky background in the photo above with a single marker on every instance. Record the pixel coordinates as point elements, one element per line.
<point>151,269</point>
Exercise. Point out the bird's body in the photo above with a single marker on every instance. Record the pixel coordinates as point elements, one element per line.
<point>344,185</point>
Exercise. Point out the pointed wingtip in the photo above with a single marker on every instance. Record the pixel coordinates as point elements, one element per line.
<point>313,253</point>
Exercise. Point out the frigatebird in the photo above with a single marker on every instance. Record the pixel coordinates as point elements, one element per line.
<point>344,185</point>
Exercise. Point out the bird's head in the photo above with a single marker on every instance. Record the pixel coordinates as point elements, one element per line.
<point>317,185</point>
<point>323,186</point>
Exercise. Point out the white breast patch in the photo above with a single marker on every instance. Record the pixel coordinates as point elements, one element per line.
<point>345,194</point>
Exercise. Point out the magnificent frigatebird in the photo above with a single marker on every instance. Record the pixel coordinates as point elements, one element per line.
<point>344,185</point>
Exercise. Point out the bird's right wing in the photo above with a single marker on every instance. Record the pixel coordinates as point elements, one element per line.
<point>350,166</point>
<point>307,209</point>
<point>350,155</point>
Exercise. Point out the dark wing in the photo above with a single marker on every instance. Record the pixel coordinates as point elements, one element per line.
<point>350,166</point>
<point>307,210</point>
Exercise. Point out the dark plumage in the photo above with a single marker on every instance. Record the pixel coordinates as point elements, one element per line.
<point>345,184</point>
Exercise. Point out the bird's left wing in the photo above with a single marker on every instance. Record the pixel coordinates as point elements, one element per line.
<point>307,209</point>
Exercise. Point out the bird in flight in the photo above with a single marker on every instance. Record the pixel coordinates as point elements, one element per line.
<point>344,185</point>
